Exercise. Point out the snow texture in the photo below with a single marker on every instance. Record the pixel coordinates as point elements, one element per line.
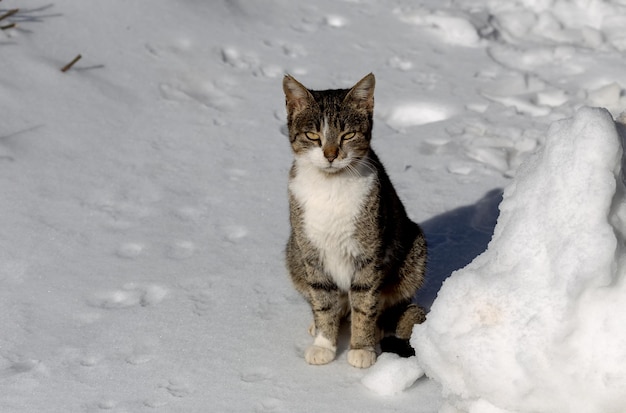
<point>532,323</point>
<point>392,374</point>
<point>144,212</point>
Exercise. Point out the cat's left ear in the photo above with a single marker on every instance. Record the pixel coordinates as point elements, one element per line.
<point>362,94</point>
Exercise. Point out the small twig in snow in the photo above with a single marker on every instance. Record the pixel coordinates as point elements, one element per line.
<point>70,64</point>
<point>9,14</point>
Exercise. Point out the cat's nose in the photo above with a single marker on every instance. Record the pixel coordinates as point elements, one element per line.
<point>331,153</point>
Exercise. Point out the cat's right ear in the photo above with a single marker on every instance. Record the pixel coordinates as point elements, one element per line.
<point>297,96</point>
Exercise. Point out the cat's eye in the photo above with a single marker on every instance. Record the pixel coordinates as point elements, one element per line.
<point>347,136</point>
<point>312,136</point>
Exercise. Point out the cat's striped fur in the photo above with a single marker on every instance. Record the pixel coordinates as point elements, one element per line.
<point>352,248</point>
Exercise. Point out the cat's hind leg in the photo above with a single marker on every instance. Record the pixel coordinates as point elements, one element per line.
<point>413,314</point>
<point>399,321</point>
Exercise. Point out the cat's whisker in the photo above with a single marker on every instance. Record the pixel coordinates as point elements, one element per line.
<point>367,164</point>
<point>354,172</point>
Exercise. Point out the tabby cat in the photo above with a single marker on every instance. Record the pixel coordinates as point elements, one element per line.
<point>352,249</point>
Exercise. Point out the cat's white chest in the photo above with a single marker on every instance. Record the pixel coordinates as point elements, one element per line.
<point>331,205</point>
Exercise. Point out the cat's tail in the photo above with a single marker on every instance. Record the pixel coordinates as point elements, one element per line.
<point>399,321</point>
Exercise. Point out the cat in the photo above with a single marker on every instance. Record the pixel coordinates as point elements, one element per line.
<point>352,249</point>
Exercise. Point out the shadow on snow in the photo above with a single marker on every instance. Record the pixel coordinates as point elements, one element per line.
<point>454,239</point>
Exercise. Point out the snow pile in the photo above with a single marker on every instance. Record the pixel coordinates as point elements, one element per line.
<point>534,323</point>
<point>454,30</point>
<point>392,374</point>
<point>589,23</point>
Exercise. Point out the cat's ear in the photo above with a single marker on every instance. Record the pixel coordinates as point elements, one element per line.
<point>362,94</point>
<point>298,97</point>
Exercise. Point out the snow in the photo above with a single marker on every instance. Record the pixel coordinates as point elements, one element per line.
<point>530,324</point>
<point>392,374</point>
<point>144,206</point>
<point>415,113</point>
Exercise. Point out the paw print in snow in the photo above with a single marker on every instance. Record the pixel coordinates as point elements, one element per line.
<point>130,295</point>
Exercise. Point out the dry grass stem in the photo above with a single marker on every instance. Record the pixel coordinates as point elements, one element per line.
<point>9,14</point>
<point>70,64</point>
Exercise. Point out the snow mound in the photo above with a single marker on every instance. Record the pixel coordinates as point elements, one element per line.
<point>405,115</point>
<point>533,324</point>
<point>589,23</point>
<point>453,30</point>
<point>392,374</point>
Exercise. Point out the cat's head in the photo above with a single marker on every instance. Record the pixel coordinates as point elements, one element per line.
<point>330,129</point>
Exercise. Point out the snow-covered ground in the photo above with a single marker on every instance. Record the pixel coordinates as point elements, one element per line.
<point>144,206</point>
<point>534,323</point>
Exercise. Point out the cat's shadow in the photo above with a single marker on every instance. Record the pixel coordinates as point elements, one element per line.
<point>454,239</point>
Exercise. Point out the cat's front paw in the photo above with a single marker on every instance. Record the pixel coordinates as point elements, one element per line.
<point>319,355</point>
<point>361,358</point>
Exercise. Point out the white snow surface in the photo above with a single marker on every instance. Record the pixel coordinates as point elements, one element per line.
<point>392,374</point>
<point>144,206</point>
<point>532,324</point>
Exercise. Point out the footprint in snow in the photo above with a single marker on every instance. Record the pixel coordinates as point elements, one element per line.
<point>202,302</point>
<point>234,233</point>
<point>453,30</point>
<point>180,250</point>
<point>141,353</point>
<point>192,213</point>
<point>247,61</point>
<point>256,375</point>
<point>271,404</point>
<point>236,174</point>
<point>178,388</point>
<point>292,50</point>
<point>129,250</point>
<point>487,147</point>
<point>400,64</point>
<point>156,402</point>
<point>199,89</point>
<point>107,404</point>
<point>311,24</point>
<point>130,295</point>
<point>89,361</point>
<point>24,366</point>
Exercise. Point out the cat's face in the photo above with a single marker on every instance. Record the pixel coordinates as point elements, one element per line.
<point>330,129</point>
